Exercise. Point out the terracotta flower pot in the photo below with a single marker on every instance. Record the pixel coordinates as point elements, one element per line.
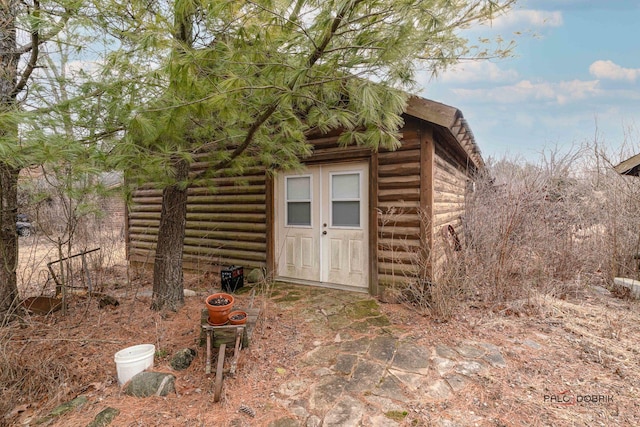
<point>219,306</point>
<point>237,317</point>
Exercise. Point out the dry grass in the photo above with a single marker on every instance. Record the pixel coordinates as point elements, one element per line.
<point>582,345</point>
<point>34,278</point>
<point>532,228</point>
<point>587,344</point>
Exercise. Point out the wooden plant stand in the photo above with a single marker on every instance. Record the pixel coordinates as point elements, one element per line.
<point>238,332</point>
<point>222,337</point>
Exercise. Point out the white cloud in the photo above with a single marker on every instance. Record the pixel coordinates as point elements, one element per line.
<point>477,71</point>
<point>524,19</point>
<point>612,71</point>
<point>525,90</point>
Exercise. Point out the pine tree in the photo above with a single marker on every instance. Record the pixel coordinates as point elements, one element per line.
<point>246,81</point>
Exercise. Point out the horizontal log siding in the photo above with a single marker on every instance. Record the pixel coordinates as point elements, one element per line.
<point>399,206</point>
<point>226,223</point>
<point>450,182</point>
<point>326,150</point>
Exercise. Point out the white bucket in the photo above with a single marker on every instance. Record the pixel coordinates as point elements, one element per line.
<point>133,360</point>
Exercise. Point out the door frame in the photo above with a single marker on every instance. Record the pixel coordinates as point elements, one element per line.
<point>368,188</point>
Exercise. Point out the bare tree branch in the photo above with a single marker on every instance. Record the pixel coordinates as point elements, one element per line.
<point>34,46</point>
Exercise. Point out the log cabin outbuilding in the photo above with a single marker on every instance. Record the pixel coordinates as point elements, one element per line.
<point>353,218</point>
<point>630,166</point>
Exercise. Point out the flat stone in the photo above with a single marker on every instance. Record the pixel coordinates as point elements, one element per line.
<point>317,324</point>
<point>439,390</point>
<point>382,348</point>
<point>391,388</point>
<point>363,309</point>
<point>410,380</point>
<point>359,346</point>
<point>104,417</point>
<point>383,421</point>
<point>496,360</point>
<point>63,409</point>
<point>532,344</point>
<point>456,381</point>
<point>366,376</point>
<point>147,384</point>
<point>469,367</point>
<point>327,391</point>
<point>366,326</point>
<point>313,421</point>
<point>321,356</point>
<point>299,412</point>
<point>284,422</point>
<point>378,321</point>
<point>332,309</point>
<point>322,372</point>
<point>348,412</point>
<point>189,293</point>
<point>470,351</point>
<point>446,352</point>
<point>345,364</point>
<point>68,406</point>
<point>339,321</point>
<point>411,358</point>
<point>489,347</point>
<point>443,365</point>
<point>293,388</point>
<point>384,403</point>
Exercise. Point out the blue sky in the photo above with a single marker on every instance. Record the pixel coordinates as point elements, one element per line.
<point>575,73</point>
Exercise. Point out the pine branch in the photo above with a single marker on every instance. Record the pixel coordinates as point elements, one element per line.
<point>313,59</point>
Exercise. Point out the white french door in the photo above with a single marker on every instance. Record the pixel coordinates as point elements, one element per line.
<point>322,225</point>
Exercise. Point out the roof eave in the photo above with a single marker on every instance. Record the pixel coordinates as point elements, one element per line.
<point>450,118</point>
<point>631,166</point>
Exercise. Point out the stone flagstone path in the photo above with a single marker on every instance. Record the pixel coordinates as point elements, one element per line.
<point>366,376</point>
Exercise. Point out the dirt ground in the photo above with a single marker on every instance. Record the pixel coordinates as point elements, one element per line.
<point>562,354</point>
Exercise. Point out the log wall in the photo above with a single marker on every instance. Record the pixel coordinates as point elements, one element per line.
<point>449,186</point>
<point>398,204</point>
<point>416,192</point>
<point>226,224</point>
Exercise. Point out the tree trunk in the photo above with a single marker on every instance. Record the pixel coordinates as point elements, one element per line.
<point>168,286</point>
<point>8,173</point>
<point>168,283</point>
<point>8,239</point>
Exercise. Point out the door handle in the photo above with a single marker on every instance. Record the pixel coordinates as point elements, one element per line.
<point>324,232</point>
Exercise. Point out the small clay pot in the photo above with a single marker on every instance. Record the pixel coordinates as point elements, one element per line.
<point>218,311</point>
<point>237,317</point>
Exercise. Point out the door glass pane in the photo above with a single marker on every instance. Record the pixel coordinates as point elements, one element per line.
<point>299,188</point>
<point>346,214</point>
<point>345,186</point>
<point>299,213</point>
